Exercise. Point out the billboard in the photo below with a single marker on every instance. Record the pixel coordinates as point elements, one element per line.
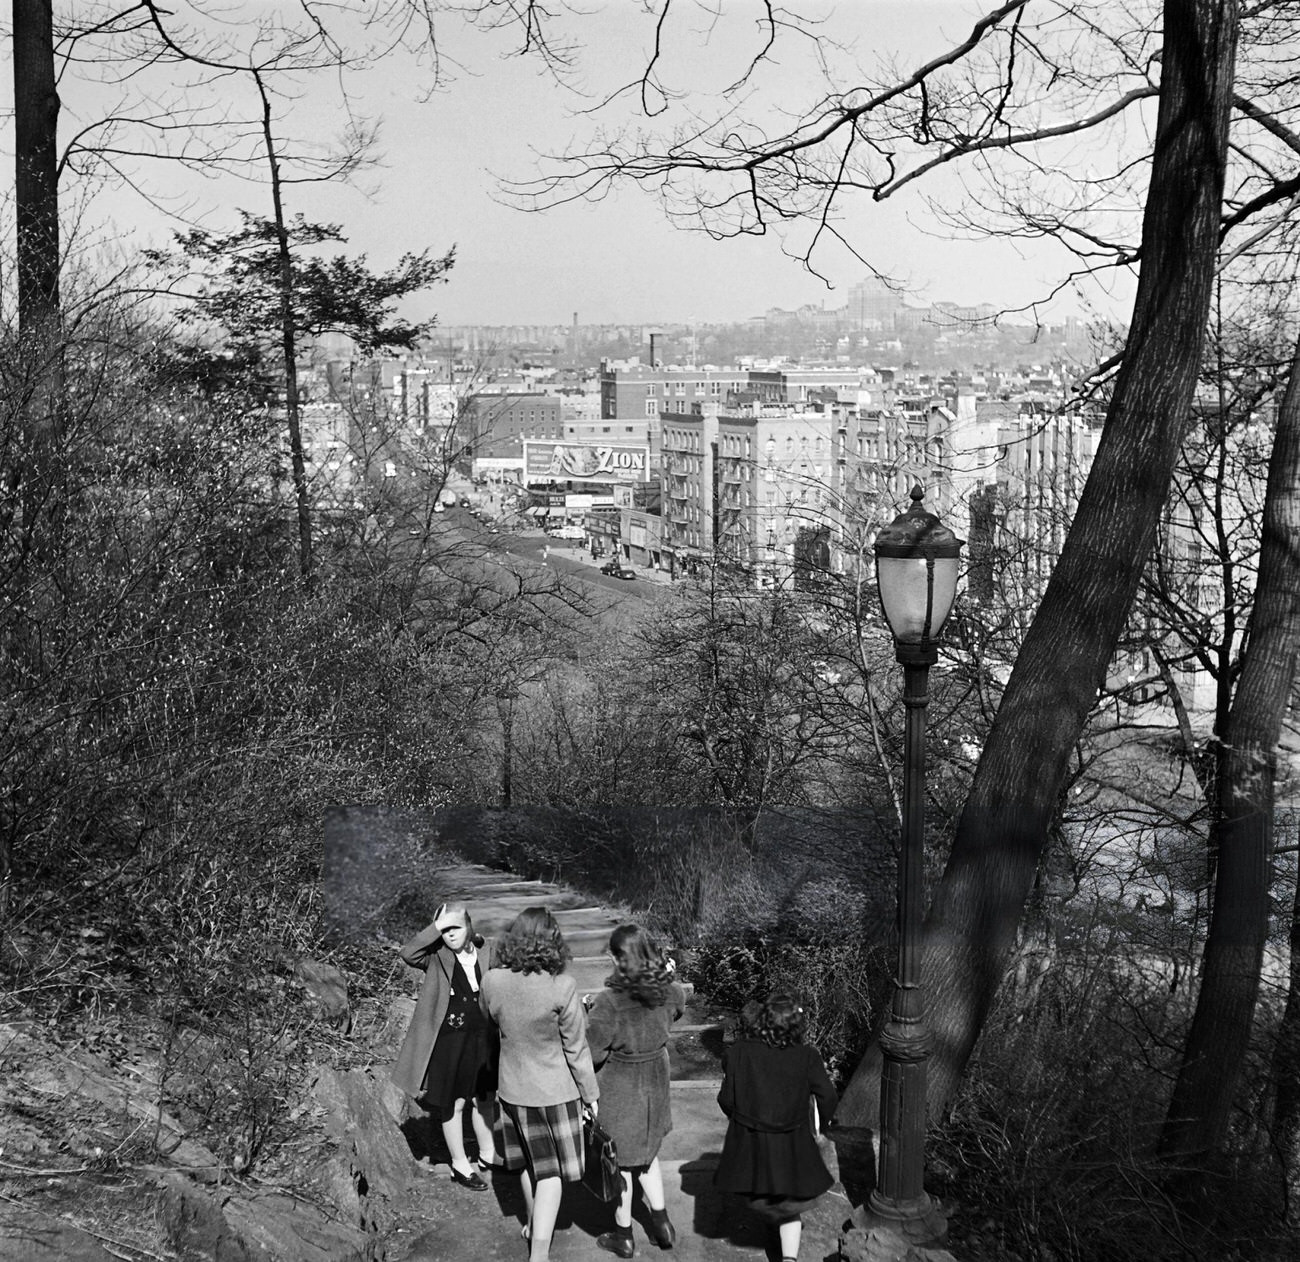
<point>585,462</point>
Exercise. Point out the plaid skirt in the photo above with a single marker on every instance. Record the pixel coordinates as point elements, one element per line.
<point>547,1139</point>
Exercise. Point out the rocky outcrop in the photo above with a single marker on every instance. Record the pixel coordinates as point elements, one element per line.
<point>364,1177</point>
<point>371,1168</point>
<point>869,1237</point>
<point>45,1074</point>
<point>37,1237</point>
<point>258,1227</point>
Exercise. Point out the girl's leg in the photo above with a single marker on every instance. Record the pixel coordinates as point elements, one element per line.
<point>526,1186</point>
<point>545,1210</point>
<point>652,1185</point>
<point>487,1149</point>
<point>790,1233</point>
<point>662,1232</point>
<point>619,1241</point>
<point>453,1134</point>
<point>623,1210</point>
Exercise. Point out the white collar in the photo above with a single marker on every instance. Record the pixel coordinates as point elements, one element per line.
<point>467,960</point>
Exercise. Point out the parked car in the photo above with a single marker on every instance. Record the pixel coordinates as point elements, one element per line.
<point>616,569</point>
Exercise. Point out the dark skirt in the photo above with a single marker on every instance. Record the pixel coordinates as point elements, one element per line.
<point>461,1068</point>
<point>780,1168</point>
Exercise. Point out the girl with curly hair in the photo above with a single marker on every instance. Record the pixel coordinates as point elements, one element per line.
<point>545,1073</point>
<point>627,1027</point>
<point>770,1080</point>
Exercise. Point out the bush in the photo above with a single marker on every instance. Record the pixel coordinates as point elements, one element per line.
<point>1060,1113</point>
<point>843,985</point>
<point>180,712</point>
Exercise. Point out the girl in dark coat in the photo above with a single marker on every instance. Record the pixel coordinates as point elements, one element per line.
<point>627,1030</point>
<point>769,1078</point>
<point>448,1053</point>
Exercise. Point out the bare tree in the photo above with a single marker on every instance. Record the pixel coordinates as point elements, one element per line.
<point>1234,948</point>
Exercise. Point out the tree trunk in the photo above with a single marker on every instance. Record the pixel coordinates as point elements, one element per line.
<point>28,475</point>
<point>289,339</point>
<point>36,210</point>
<point>1285,1075</point>
<point>970,932</point>
<point>1234,946</point>
<point>36,179</point>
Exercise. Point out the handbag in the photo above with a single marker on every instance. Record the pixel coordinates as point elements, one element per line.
<point>600,1174</point>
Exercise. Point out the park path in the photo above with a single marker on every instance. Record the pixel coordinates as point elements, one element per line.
<point>710,1227</point>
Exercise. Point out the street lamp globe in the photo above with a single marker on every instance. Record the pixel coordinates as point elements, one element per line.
<point>917,560</point>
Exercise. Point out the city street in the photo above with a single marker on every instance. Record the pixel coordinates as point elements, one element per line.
<point>532,545</point>
<point>574,558</point>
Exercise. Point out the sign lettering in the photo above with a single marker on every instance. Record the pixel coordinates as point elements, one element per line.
<point>569,462</point>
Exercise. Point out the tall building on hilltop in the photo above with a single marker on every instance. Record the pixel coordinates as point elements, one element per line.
<point>871,305</point>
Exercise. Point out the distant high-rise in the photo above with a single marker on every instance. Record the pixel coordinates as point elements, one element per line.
<point>872,304</point>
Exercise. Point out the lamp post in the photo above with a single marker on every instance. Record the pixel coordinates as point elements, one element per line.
<point>916,573</point>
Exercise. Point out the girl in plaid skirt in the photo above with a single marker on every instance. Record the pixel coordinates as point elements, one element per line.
<point>545,1072</point>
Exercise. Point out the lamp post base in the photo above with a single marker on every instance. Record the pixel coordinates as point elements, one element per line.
<point>881,1232</point>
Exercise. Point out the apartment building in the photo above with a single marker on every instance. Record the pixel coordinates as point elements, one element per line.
<point>786,490</point>
<point>629,388</point>
<point>793,385</point>
<point>751,485</point>
<point>498,424</point>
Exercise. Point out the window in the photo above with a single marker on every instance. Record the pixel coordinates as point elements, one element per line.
<point>651,408</point>
<point>650,390</point>
<point>715,387</point>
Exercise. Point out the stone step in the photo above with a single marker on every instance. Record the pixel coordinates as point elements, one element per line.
<point>698,1124</point>
<point>486,881</point>
<point>586,929</point>
<point>556,900</point>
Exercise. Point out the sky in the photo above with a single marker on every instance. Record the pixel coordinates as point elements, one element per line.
<point>618,260</point>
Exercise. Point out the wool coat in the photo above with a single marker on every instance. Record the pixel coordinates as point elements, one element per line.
<point>545,1059</point>
<point>428,952</point>
<point>629,1044</point>
<point>769,1150</point>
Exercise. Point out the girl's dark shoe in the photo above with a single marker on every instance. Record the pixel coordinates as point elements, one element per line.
<point>473,1180</point>
<point>618,1242</point>
<point>662,1232</point>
